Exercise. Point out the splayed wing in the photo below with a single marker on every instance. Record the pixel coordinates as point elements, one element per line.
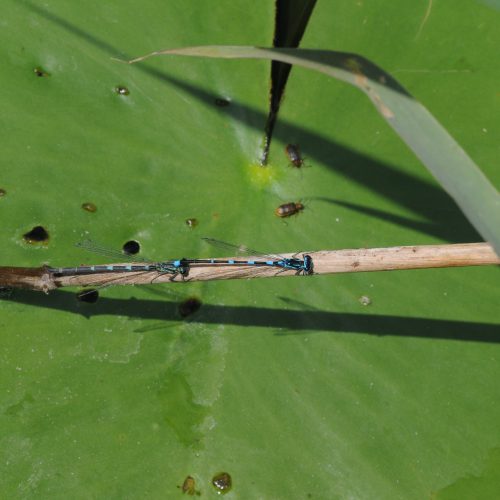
<point>91,246</point>
<point>239,249</point>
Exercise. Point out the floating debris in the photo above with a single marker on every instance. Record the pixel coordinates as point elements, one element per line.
<point>188,486</point>
<point>89,207</point>
<point>222,482</point>
<point>364,300</point>
<point>192,222</point>
<point>120,90</point>
<point>40,72</point>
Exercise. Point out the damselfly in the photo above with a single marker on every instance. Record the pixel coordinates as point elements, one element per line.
<point>181,266</point>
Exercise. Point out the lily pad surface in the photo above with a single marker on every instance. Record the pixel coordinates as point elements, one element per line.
<point>295,387</point>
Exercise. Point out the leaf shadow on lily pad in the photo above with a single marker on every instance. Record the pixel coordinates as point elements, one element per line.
<point>425,199</point>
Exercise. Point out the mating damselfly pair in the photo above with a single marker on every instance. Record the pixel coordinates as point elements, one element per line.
<point>182,266</point>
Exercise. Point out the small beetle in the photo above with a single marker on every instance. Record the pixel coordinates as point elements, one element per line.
<point>292,152</point>
<point>288,209</point>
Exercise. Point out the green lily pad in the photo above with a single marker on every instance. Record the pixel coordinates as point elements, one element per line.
<point>292,386</point>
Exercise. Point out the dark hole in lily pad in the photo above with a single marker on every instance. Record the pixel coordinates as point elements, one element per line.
<point>131,247</point>
<point>189,306</point>
<point>37,235</point>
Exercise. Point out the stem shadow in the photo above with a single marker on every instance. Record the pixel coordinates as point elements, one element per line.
<point>293,322</point>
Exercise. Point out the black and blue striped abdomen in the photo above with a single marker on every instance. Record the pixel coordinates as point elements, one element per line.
<point>73,271</point>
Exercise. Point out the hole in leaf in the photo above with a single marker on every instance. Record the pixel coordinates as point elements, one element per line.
<point>37,235</point>
<point>189,306</point>
<point>131,247</point>
<point>2,192</point>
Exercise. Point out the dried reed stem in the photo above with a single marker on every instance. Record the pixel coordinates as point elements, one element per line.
<point>325,262</point>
